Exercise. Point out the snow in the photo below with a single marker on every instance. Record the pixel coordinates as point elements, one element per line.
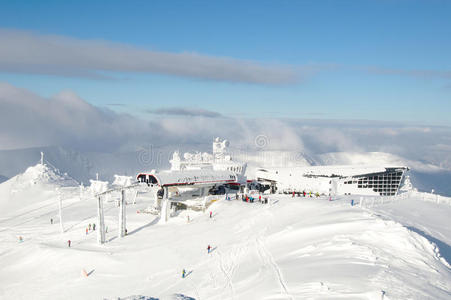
<point>293,248</point>
<point>425,218</point>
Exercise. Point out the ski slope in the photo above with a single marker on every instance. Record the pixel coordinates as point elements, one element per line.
<point>294,248</point>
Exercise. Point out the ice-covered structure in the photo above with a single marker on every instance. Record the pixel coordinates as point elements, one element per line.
<point>122,181</point>
<point>220,160</point>
<point>98,186</point>
<point>335,180</point>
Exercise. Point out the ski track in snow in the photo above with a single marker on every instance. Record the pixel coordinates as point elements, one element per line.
<point>267,259</point>
<point>226,273</point>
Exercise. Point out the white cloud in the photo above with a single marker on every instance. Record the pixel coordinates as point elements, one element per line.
<point>188,112</point>
<point>28,120</point>
<point>27,52</point>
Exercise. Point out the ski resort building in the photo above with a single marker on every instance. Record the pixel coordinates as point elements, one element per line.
<point>335,180</point>
<point>200,167</point>
<point>194,178</point>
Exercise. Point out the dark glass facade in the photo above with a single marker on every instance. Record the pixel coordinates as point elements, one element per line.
<point>386,183</point>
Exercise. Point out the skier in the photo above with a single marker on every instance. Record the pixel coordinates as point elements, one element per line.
<point>125,231</point>
<point>20,239</point>
<point>187,218</point>
<point>86,230</point>
<point>210,214</point>
<point>51,221</point>
<point>68,243</point>
<point>183,273</point>
<point>260,198</point>
<point>208,248</point>
<point>89,226</point>
<point>94,226</point>
<point>293,194</point>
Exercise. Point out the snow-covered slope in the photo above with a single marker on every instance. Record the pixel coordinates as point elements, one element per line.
<point>27,188</point>
<point>295,248</point>
<point>270,159</point>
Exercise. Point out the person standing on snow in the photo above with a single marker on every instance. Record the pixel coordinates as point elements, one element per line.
<point>51,221</point>
<point>68,243</point>
<point>210,214</point>
<point>208,248</point>
<point>94,226</point>
<point>86,230</point>
<point>89,226</point>
<point>183,273</point>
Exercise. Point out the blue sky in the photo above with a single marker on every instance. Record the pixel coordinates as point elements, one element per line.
<point>376,60</point>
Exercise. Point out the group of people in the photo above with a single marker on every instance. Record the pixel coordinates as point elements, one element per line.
<point>305,194</point>
<point>251,199</point>
<point>89,228</point>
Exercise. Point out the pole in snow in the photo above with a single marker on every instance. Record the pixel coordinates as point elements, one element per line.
<point>81,190</point>
<point>122,220</point>
<point>101,222</point>
<point>60,209</point>
<point>165,207</point>
<point>134,198</point>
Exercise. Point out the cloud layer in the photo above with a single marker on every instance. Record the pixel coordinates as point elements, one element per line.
<point>58,55</point>
<point>188,112</point>
<point>28,120</point>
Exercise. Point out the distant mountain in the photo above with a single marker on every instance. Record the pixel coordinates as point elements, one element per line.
<point>83,166</point>
<point>3,178</point>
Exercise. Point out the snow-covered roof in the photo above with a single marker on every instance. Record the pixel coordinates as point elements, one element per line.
<point>347,171</point>
<point>331,171</point>
<point>193,177</point>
